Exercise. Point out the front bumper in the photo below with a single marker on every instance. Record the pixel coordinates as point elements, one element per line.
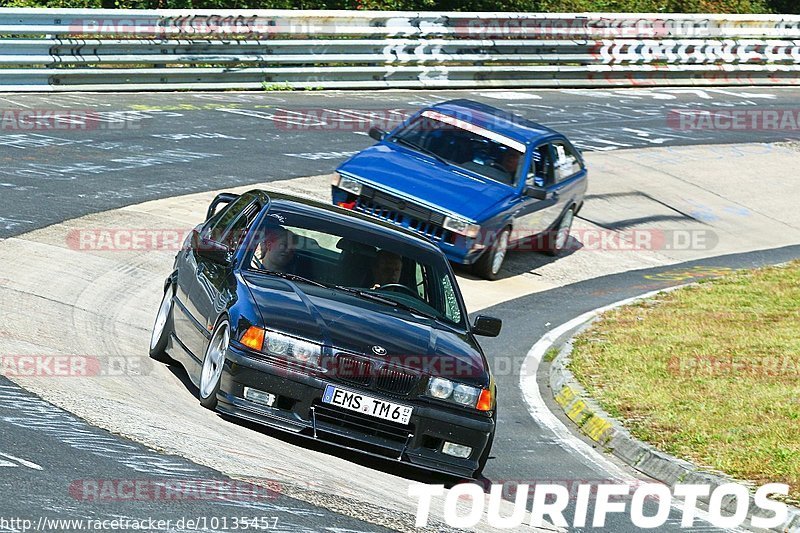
<point>458,248</point>
<point>298,408</point>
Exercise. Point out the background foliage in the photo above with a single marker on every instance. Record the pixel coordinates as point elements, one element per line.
<point>634,6</point>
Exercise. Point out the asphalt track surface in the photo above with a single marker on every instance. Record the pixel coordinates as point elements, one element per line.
<point>137,147</point>
<point>58,469</point>
<point>150,146</point>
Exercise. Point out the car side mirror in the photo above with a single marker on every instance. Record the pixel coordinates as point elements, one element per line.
<point>537,193</point>
<point>487,326</point>
<point>211,250</point>
<point>377,133</point>
<point>222,198</point>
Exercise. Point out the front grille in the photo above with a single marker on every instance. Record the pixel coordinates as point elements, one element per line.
<point>353,370</point>
<point>431,231</point>
<point>397,211</point>
<point>371,208</point>
<point>374,375</point>
<point>367,425</point>
<point>395,380</point>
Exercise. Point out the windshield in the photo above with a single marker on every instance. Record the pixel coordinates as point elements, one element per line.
<point>465,145</point>
<point>385,270</point>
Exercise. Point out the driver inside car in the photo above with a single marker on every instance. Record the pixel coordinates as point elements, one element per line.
<point>276,251</point>
<point>387,269</point>
<point>509,162</point>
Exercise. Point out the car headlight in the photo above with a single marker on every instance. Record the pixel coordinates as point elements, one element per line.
<point>461,227</point>
<point>279,344</point>
<point>466,395</point>
<point>276,344</point>
<point>347,184</point>
<point>282,345</point>
<point>440,388</point>
<point>308,352</point>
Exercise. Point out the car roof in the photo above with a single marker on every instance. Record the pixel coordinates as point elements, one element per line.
<point>367,222</point>
<point>494,119</point>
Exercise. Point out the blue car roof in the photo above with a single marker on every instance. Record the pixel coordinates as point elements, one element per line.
<point>491,118</point>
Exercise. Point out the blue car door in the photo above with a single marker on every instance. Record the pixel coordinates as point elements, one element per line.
<point>532,214</point>
<point>569,177</point>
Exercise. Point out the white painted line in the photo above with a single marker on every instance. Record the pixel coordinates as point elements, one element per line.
<point>16,103</point>
<point>23,462</point>
<point>545,418</point>
<point>615,143</point>
<point>740,94</point>
<point>533,397</point>
<point>510,95</point>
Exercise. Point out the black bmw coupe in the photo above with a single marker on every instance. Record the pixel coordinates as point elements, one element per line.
<point>324,322</point>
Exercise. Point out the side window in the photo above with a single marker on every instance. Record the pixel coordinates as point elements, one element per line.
<point>451,309</point>
<point>567,162</point>
<point>421,278</point>
<point>227,226</point>
<point>236,231</point>
<point>540,173</point>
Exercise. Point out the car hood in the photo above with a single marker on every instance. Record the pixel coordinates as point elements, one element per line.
<point>352,324</point>
<point>438,186</point>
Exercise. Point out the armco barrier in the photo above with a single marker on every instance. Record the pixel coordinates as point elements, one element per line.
<point>72,49</point>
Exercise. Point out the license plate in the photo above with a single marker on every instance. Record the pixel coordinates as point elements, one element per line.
<point>355,401</point>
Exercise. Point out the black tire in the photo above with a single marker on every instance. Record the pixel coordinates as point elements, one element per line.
<point>486,267</point>
<point>556,245</point>
<point>208,390</point>
<point>159,341</point>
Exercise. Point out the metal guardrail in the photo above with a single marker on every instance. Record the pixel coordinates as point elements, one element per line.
<point>71,49</point>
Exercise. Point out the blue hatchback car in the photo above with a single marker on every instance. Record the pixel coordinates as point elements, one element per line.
<point>474,179</point>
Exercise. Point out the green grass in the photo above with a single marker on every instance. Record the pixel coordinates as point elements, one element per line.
<point>649,364</point>
<point>276,86</point>
<point>551,354</point>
